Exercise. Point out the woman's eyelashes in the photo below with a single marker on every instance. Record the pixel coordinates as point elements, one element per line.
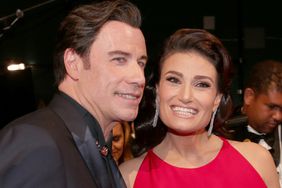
<point>202,84</point>
<point>173,79</point>
<point>199,84</point>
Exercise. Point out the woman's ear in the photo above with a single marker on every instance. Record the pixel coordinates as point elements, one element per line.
<point>71,61</point>
<point>217,100</point>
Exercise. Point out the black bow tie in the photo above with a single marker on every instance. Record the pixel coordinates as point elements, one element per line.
<point>268,138</point>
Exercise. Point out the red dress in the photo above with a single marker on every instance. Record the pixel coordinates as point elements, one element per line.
<point>229,169</point>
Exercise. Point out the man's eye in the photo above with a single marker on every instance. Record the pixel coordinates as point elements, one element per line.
<point>142,64</point>
<point>270,106</point>
<point>119,59</point>
<point>273,107</point>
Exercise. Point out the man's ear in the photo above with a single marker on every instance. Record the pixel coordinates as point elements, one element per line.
<point>71,61</point>
<point>249,96</point>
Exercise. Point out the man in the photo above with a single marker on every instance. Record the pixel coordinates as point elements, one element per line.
<point>263,108</point>
<point>99,68</point>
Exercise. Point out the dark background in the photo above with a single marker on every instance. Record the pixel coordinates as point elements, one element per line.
<point>250,30</point>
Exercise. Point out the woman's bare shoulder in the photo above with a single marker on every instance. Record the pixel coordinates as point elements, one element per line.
<point>253,152</point>
<point>129,169</point>
<point>250,149</point>
<point>260,159</point>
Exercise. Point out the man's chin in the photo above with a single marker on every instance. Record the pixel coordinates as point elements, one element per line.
<point>269,130</point>
<point>130,117</point>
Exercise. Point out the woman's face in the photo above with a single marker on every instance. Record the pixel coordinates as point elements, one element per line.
<point>187,92</point>
<point>118,141</point>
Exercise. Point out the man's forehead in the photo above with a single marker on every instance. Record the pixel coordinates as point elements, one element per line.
<point>274,96</point>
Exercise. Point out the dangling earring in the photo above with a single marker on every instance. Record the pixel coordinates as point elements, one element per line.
<point>211,123</point>
<point>156,116</point>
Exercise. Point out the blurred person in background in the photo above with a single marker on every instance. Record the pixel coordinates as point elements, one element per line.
<point>121,142</point>
<point>262,107</point>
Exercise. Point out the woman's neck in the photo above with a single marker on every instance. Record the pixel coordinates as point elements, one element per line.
<point>188,151</point>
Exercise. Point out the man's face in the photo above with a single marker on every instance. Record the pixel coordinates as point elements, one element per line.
<point>264,111</point>
<point>111,89</point>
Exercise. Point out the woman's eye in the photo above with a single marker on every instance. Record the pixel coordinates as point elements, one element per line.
<point>116,138</point>
<point>173,80</point>
<point>203,84</point>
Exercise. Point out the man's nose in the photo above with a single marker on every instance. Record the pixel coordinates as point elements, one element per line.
<point>137,77</point>
<point>278,115</point>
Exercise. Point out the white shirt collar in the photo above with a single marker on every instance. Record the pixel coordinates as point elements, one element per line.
<point>252,130</point>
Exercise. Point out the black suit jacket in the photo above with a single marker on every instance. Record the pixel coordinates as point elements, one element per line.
<point>38,150</point>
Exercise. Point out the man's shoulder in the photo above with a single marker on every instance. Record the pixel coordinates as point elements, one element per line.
<point>28,126</point>
<point>30,150</point>
<point>33,128</point>
<point>31,117</point>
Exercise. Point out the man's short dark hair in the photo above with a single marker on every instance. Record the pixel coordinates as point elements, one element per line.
<point>81,26</point>
<point>265,75</point>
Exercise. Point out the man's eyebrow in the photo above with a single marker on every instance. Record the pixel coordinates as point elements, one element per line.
<point>275,105</point>
<point>143,57</point>
<point>118,52</point>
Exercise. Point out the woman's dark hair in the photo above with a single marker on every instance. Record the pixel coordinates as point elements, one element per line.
<point>207,45</point>
<point>147,136</point>
<point>81,26</point>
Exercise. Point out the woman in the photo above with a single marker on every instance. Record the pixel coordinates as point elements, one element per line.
<point>192,83</point>
<point>121,150</point>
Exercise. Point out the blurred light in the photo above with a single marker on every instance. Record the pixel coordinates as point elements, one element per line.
<point>15,67</point>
